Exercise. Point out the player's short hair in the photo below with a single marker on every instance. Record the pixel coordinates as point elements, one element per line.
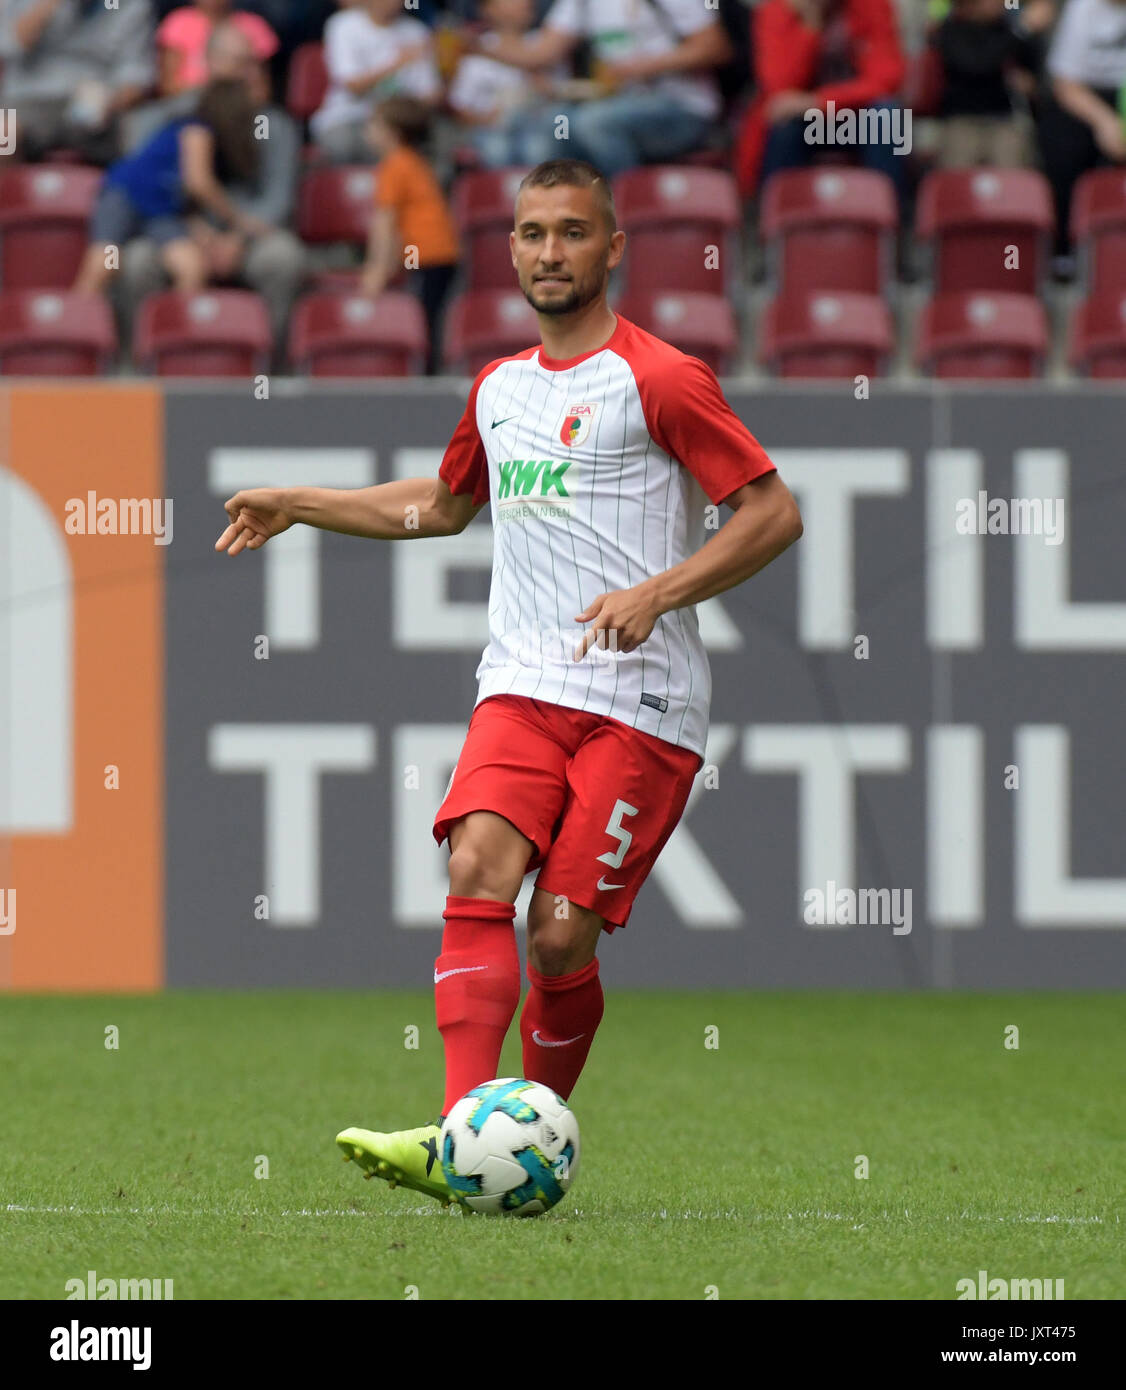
<point>574,173</point>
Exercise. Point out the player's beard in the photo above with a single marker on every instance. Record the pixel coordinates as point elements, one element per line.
<point>582,293</point>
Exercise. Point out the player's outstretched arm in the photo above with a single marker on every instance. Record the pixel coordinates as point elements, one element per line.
<point>402,510</point>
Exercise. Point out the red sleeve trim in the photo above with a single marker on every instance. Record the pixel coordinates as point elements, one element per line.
<point>465,466</point>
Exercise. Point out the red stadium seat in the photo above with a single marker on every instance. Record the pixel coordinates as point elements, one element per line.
<point>702,325</point>
<point>707,158</point>
<point>673,214</point>
<point>484,324</point>
<point>208,333</point>
<point>44,223</point>
<point>55,333</point>
<point>830,229</point>
<point>827,334</point>
<point>337,281</point>
<point>1098,336</point>
<point>336,205</point>
<point>1098,228</point>
<point>482,204</point>
<point>465,159</point>
<point>975,217</point>
<point>925,82</point>
<point>983,336</point>
<point>307,82</point>
<point>352,335</point>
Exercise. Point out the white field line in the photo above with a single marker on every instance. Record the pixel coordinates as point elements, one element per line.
<point>433,1209</point>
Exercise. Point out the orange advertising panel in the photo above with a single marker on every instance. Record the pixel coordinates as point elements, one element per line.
<point>83,528</point>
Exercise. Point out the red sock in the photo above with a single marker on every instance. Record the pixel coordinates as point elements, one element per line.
<point>561,1014</point>
<point>476,990</point>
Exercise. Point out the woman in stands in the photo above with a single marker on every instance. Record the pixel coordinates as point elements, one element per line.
<point>179,171</point>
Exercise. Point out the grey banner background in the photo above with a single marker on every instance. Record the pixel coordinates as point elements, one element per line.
<point>747,826</point>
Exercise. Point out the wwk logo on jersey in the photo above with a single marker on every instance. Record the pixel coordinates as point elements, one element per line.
<point>576,423</point>
<point>532,487</point>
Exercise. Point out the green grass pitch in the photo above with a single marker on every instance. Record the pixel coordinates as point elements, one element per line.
<point>730,1168</point>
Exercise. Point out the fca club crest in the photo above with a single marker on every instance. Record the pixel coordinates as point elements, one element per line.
<point>576,425</point>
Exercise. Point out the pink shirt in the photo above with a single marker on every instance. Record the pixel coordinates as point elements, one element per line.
<point>186,32</point>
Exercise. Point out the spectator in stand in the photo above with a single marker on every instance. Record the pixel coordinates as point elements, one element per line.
<point>412,227</point>
<point>372,51</point>
<point>983,57</point>
<point>181,40</point>
<point>1081,120</point>
<point>654,63</point>
<point>264,256</point>
<point>184,165</point>
<point>494,99</point>
<point>70,68</point>
<point>806,54</point>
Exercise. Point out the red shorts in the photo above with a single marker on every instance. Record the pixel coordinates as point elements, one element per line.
<point>596,798</point>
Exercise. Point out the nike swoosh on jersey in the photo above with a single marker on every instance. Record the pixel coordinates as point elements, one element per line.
<point>604,886</point>
<point>544,1042</point>
<point>461,970</point>
<point>497,423</point>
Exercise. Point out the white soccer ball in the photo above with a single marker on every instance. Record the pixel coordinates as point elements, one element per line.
<point>510,1146</point>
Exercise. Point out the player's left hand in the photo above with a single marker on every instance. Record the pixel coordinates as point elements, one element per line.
<point>622,620</point>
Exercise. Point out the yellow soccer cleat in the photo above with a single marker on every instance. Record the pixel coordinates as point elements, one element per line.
<point>404,1158</point>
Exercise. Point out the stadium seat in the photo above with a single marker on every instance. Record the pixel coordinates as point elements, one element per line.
<point>208,333</point>
<point>465,158</point>
<point>702,325</point>
<point>352,335</point>
<point>1098,229</point>
<point>830,229</point>
<point>827,334</point>
<point>337,281</point>
<point>925,82</point>
<point>709,158</point>
<point>44,221</point>
<point>307,81</point>
<point>672,215</point>
<point>484,324</point>
<point>983,336</point>
<point>55,333</point>
<point>1098,336</point>
<point>975,217</point>
<point>335,205</point>
<point>481,204</point>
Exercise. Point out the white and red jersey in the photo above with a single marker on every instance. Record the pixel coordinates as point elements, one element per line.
<point>599,470</point>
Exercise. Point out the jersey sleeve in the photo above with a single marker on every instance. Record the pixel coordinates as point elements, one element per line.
<point>689,417</point>
<point>465,467</point>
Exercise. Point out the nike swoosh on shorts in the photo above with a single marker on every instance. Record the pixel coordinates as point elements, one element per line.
<point>605,887</point>
<point>461,970</point>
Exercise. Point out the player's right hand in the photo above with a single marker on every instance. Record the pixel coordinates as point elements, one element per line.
<point>256,514</point>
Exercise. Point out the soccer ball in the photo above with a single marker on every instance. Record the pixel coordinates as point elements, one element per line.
<point>510,1146</point>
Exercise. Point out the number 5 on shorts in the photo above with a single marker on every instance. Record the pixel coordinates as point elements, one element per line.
<point>624,838</point>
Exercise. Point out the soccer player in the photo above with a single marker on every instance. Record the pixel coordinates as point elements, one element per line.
<point>598,451</point>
